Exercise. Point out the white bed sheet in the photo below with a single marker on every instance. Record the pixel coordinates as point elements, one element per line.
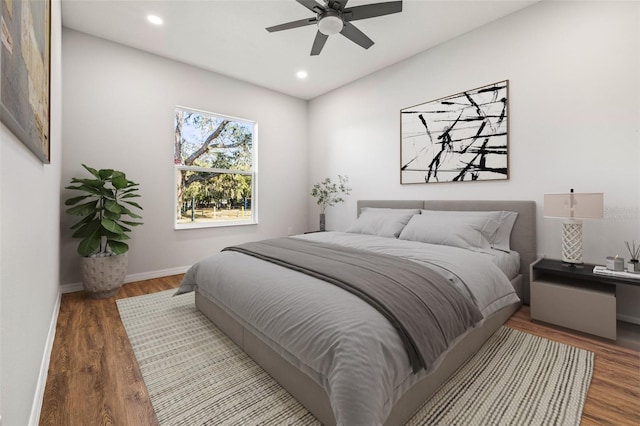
<point>509,263</point>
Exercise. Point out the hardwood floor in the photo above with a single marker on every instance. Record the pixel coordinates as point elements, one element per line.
<point>94,378</point>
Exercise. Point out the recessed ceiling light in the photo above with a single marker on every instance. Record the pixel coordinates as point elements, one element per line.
<point>154,19</point>
<point>301,74</point>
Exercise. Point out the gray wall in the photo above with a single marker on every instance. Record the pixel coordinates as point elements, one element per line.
<point>119,110</point>
<point>574,99</point>
<point>29,253</point>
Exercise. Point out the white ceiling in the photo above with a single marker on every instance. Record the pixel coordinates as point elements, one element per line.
<point>229,36</point>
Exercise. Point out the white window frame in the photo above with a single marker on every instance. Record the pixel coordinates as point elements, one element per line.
<point>250,220</point>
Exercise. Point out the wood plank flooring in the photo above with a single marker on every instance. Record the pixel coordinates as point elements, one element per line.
<point>94,378</point>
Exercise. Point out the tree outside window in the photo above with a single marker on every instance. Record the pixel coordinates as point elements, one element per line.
<point>215,169</point>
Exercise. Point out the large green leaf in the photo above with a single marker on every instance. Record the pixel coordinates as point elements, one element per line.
<point>83,221</point>
<point>94,183</point>
<point>119,180</point>
<point>76,200</point>
<point>112,206</point>
<point>131,223</point>
<point>89,245</point>
<point>132,187</point>
<point>87,230</point>
<point>118,247</point>
<point>131,203</point>
<point>111,226</point>
<point>86,188</point>
<point>105,173</point>
<point>91,170</point>
<point>114,236</point>
<point>130,213</point>
<point>83,209</point>
<point>108,193</point>
<point>111,215</point>
<point>124,228</point>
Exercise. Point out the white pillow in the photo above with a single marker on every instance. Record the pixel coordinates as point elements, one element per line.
<point>495,226</point>
<point>454,230</point>
<point>381,222</point>
<point>503,234</point>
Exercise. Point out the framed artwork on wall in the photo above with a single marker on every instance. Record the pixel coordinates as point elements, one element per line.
<point>462,137</point>
<point>25,76</point>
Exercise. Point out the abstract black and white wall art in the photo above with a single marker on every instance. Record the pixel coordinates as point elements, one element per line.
<point>463,137</point>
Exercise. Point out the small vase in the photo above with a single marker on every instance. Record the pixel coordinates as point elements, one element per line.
<point>633,266</point>
<point>322,217</point>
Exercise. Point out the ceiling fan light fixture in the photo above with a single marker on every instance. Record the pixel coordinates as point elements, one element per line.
<point>330,25</point>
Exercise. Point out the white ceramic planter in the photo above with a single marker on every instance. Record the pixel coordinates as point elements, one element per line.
<point>103,276</point>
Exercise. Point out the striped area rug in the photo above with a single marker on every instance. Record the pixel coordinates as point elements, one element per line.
<point>195,375</point>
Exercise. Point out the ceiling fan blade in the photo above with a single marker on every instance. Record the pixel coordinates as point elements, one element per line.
<point>355,35</point>
<point>294,24</point>
<point>371,10</point>
<point>312,5</point>
<point>318,43</point>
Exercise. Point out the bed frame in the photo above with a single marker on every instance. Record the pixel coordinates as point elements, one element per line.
<point>314,397</point>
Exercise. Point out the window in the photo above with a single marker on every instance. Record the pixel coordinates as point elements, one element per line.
<point>215,168</point>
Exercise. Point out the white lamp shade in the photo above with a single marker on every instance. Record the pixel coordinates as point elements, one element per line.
<point>574,205</point>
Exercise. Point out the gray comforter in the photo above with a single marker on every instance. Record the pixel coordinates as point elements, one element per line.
<point>341,342</point>
<point>427,312</point>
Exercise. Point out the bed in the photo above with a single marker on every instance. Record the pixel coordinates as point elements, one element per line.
<point>366,377</point>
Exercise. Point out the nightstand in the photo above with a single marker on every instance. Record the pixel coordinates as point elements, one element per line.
<point>575,297</point>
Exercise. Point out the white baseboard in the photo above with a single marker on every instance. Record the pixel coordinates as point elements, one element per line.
<point>73,287</point>
<point>34,417</point>
<point>628,318</point>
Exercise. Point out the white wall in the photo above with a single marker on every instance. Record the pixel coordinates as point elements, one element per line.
<point>574,105</point>
<point>119,103</point>
<point>30,246</point>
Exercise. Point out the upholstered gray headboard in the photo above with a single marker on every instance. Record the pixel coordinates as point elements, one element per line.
<point>523,235</point>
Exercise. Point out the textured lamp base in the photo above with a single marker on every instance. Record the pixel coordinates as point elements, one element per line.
<point>572,241</point>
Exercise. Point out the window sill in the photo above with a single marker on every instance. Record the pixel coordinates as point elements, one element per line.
<point>180,227</point>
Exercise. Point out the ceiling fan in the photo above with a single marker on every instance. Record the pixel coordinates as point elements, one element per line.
<point>334,18</point>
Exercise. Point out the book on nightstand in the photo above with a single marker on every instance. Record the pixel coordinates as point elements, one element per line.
<point>602,270</point>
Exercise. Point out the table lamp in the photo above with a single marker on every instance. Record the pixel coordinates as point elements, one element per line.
<point>573,207</point>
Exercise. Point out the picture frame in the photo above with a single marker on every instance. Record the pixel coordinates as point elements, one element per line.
<point>25,82</point>
<point>461,137</point>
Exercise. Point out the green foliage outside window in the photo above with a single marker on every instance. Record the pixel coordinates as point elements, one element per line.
<point>213,156</point>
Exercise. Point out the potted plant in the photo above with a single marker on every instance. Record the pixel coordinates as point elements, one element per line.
<point>105,210</point>
<point>329,194</point>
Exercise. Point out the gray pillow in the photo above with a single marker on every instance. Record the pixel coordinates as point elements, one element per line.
<point>495,226</point>
<point>503,234</point>
<point>381,222</point>
<point>455,231</point>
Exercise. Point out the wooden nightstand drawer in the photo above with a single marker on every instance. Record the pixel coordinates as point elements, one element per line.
<point>587,308</point>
